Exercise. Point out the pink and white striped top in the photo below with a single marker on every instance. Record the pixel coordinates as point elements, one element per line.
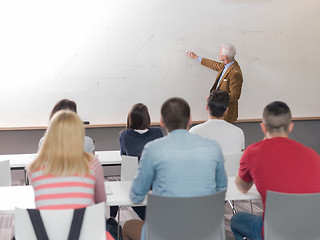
<point>68,192</point>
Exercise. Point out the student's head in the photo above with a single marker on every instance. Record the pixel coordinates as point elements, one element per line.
<point>63,104</point>
<point>277,118</point>
<point>62,151</point>
<point>217,103</point>
<point>175,114</point>
<point>227,51</point>
<point>138,117</point>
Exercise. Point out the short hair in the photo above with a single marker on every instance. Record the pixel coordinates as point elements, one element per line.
<point>175,113</point>
<point>138,117</point>
<point>64,104</point>
<point>218,102</point>
<point>62,151</point>
<point>277,117</point>
<point>228,50</point>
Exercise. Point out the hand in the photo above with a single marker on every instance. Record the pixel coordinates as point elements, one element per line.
<point>192,54</point>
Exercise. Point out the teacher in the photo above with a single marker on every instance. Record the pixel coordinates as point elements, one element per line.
<point>229,77</point>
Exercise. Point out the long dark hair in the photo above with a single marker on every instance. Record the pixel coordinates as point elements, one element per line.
<point>138,117</point>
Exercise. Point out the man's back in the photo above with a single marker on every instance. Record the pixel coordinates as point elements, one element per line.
<point>230,137</point>
<point>180,164</point>
<point>282,165</point>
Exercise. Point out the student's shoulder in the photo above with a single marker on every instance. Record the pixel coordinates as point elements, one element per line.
<point>197,127</point>
<point>155,130</point>
<point>126,132</point>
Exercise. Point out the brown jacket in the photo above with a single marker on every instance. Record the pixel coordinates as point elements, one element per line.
<point>231,82</point>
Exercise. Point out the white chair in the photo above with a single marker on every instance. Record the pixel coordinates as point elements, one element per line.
<point>129,168</point>
<point>5,173</point>
<point>292,216</point>
<point>57,223</point>
<point>185,217</point>
<point>232,163</point>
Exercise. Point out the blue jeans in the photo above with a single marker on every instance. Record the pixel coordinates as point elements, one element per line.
<point>247,225</point>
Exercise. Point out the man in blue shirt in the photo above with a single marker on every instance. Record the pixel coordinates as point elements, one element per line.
<point>180,164</point>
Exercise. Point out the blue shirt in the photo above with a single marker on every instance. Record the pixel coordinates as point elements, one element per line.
<point>132,142</point>
<point>180,164</point>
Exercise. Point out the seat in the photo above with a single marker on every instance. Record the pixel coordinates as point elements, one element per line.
<point>5,173</point>
<point>231,165</point>
<point>185,217</point>
<point>129,167</point>
<point>292,216</point>
<point>57,223</point>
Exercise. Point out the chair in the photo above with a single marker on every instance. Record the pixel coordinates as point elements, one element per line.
<point>129,167</point>
<point>5,173</point>
<point>231,165</point>
<point>57,223</point>
<point>292,216</point>
<point>185,217</point>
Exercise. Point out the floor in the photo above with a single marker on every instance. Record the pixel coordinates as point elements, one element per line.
<point>6,220</point>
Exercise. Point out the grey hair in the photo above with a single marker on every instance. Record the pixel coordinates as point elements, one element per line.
<point>228,50</point>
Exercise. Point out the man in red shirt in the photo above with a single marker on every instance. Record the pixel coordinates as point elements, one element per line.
<point>276,163</point>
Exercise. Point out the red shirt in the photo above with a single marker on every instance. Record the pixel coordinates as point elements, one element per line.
<point>281,165</point>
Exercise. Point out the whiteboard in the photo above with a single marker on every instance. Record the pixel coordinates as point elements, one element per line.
<point>107,55</point>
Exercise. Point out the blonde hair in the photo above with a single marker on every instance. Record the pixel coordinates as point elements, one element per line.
<point>62,152</point>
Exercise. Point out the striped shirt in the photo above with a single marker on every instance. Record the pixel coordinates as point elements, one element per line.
<point>68,192</point>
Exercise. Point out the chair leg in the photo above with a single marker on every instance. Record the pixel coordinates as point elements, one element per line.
<point>231,203</point>
<point>118,233</point>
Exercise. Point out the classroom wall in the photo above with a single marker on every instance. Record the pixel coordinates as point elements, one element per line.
<point>111,54</point>
<point>26,141</point>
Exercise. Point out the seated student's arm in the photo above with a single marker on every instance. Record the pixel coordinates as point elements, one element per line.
<point>221,176</point>
<point>142,182</point>
<point>244,180</point>
<point>243,186</point>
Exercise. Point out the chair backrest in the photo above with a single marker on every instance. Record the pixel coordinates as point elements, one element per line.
<point>5,173</point>
<point>292,216</point>
<point>232,163</point>
<point>57,223</point>
<point>185,218</point>
<point>129,167</point>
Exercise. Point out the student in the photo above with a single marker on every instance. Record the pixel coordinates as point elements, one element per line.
<point>71,105</point>
<point>172,164</point>
<point>63,175</point>
<point>137,132</point>
<point>276,163</point>
<point>229,136</point>
<point>133,139</point>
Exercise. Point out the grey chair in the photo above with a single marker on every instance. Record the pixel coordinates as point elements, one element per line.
<point>292,216</point>
<point>185,217</point>
<point>5,173</point>
<point>129,168</point>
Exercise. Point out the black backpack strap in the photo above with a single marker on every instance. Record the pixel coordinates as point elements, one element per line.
<point>37,224</point>
<point>76,224</point>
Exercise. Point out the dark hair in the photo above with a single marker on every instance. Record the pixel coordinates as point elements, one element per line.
<point>175,113</point>
<point>138,117</point>
<point>218,102</point>
<point>277,117</point>
<point>64,104</point>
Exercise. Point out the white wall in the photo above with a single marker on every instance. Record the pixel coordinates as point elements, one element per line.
<point>109,54</point>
